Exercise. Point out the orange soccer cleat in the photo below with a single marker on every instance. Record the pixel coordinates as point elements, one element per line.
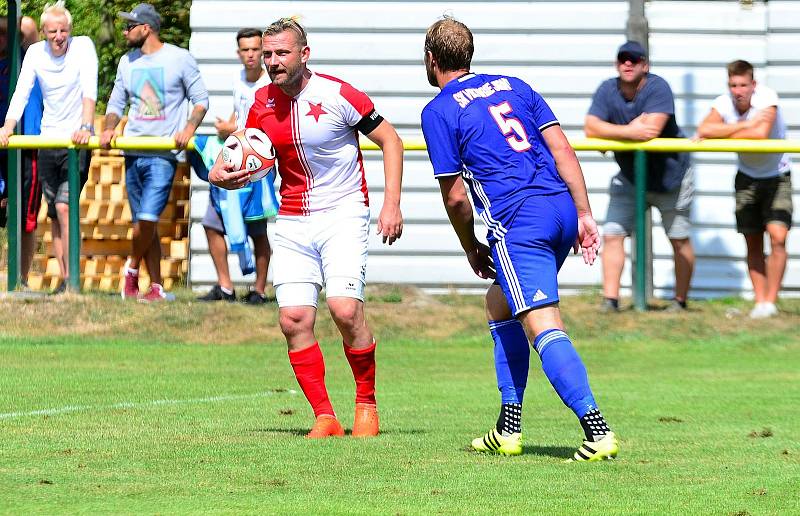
<point>325,426</point>
<point>366,420</point>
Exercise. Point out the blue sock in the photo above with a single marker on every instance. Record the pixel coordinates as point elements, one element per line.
<point>565,370</point>
<point>511,359</point>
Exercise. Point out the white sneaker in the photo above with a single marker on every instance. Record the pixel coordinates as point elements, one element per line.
<point>770,309</point>
<point>763,310</point>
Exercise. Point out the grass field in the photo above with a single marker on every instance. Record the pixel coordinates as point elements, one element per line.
<point>107,407</point>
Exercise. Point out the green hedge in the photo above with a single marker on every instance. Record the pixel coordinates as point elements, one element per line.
<point>98,19</point>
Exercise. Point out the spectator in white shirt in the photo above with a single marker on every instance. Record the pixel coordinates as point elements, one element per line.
<point>66,68</point>
<point>763,181</point>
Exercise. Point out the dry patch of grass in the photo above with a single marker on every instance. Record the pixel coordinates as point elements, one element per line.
<point>391,311</point>
<point>704,320</point>
<point>396,312</point>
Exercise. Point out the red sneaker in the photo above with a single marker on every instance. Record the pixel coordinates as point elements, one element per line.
<point>155,294</point>
<point>365,424</point>
<point>130,289</point>
<point>325,426</point>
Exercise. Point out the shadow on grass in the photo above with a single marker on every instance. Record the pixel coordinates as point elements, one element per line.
<point>288,431</point>
<point>559,452</point>
<point>403,431</point>
<point>304,431</point>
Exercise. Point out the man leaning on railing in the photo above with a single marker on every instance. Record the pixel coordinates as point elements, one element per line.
<point>763,181</point>
<point>66,70</point>
<point>157,79</point>
<point>638,105</point>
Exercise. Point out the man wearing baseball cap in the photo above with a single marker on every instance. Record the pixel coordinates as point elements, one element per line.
<point>157,79</point>
<point>638,105</point>
<point>141,14</point>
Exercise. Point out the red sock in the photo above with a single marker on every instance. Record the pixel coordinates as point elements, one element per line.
<point>362,362</point>
<point>309,368</point>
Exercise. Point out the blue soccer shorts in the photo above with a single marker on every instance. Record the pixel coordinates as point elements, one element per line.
<point>529,256</point>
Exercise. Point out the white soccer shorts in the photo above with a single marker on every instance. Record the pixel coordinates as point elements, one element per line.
<point>327,249</point>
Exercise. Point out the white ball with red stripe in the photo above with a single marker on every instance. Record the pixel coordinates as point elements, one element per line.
<point>249,149</point>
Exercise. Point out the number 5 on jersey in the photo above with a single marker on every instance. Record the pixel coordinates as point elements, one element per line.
<point>517,138</point>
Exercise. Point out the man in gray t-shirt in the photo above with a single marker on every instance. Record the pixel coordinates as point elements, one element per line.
<point>157,79</point>
<point>639,106</point>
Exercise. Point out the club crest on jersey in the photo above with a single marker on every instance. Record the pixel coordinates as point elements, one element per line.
<point>270,103</point>
<point>316,111</point>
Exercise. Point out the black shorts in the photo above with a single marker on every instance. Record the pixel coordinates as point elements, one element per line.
<point>53,170</point>
<point>30,193</point>
<point>762,201</point>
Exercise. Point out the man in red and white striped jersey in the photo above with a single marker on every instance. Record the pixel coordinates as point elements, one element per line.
<point>321,231</point>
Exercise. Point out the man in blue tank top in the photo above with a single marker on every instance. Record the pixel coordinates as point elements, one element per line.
<point>497,135</point>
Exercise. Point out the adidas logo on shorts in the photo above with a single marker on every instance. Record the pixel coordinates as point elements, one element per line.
<point>539,296</point>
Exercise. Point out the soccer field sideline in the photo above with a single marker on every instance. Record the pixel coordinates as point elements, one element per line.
<point>131,404</point>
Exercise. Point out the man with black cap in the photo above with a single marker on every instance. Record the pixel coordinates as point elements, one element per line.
<point>157,79</point>
<point>638,105</point>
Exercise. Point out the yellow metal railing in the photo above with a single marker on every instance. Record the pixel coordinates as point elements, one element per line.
<point>40,142</point>
<point>655,145</point>
<point>409,144</point>
<point>641,272</point>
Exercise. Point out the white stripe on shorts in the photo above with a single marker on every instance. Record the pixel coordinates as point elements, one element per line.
<point>511,277</point>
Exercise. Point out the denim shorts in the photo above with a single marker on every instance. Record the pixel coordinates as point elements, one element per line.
<point>149,181</point>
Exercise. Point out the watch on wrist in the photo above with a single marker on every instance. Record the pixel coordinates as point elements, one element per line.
<point>87,127</point>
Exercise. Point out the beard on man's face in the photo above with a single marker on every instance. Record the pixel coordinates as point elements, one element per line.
<point>135,43</point>
<point>432,78</point>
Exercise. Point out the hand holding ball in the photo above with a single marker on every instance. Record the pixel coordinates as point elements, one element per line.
<point>250,150</point>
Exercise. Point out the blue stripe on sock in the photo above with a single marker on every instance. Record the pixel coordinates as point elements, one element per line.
<point>511,359</point>
<point>563,367</point>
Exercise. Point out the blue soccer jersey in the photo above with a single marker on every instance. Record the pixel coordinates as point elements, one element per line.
<point>489,129</point>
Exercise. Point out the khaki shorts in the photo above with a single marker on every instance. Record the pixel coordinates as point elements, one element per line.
<point>675,207</point>
<point>762,201</point>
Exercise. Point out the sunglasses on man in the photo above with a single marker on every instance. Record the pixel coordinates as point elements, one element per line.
<point>132,26</point>
<point>623,57</point>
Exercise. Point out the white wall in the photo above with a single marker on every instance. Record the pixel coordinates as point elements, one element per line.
<point>564,49</point>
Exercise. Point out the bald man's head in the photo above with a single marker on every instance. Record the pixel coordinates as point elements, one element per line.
<point>29,31</point>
